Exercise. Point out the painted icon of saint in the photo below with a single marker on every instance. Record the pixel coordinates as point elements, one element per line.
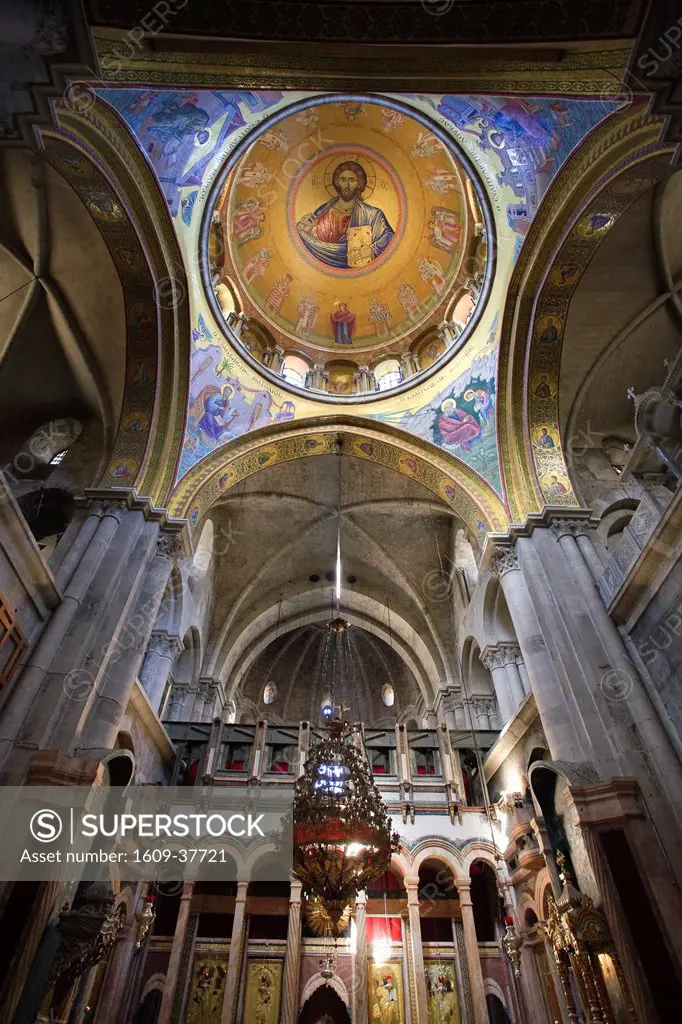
<point>346,231</point>
<point>343,325</point>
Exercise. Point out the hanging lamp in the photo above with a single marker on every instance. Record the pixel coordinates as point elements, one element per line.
<point>342,831</point>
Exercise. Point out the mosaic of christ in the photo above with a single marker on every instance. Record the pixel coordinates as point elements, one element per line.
<point>346,224</point>
<point>346,231</point>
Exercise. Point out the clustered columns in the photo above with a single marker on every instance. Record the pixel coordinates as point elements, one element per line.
<point>504,661</point>
<point>364,380</point>
<point>113,579</point>
<point>409,364</point>
<point>162,651</point>
<point>274,359</point>
<point>562,737</point>
<point>317,378</point>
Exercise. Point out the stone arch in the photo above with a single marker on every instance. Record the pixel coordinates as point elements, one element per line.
<point>484,850</point>
<point>497,621</point>
<point>543,885</point>
<point>494,989</point>
<point>187,665</point>
<point>458,486</point>
<point>317,981</point>
<point>156,981</point>
<point>434,848</point>
<point>583,186</point>
<point>91,149</point>
<point>232,655</point>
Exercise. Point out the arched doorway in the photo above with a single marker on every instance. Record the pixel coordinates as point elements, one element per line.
<point>148,1010</point>
<point>325,1007</point>
<point>496,1011</point>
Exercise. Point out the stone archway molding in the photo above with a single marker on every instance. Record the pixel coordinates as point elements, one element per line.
<point>458,486</point>
<point>318,980</point>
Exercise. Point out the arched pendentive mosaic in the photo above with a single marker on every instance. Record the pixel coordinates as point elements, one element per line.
<point>471,497</point>
<point>627,136</point>
<point>110,216</point>
<point>542,382</point>
<point>91,150</point>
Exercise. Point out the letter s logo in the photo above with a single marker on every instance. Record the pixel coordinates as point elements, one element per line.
<point>46,826</point>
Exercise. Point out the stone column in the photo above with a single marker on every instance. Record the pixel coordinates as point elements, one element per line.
<point>409,365</point>
<point>292,963</point>
<point>473,956</point>
<point>234,963</point>
<point>176,704</point>
<point>277,359</point>
<point>175,961</point>
<point>480,710</point>
<point>210,697</point>
<point>523,673</point>
<point>162,651</point>
<point>118,976</point>
<point>419,980</point>
<point>25,713</point>
<point>493,659</point>
<point>83,993</point>
<point>123,659</point>
<point>564,741</point>
<point>511,667</point>
<point>361,1002</point>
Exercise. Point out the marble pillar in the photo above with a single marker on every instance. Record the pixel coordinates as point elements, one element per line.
<point>130,637</point>
<point>234,963</point>
<point>118,975</point>
<point>162,651</point>
<point>175,960</point>
<point>177,701</point>
<point>419,980</point>
<point>292,963</point>
<point>361,1001</point>
<point>26,714</point>
<point>472,954</point>
<point>511,667</point>
<point>566,741</point>
<point>493,659</point>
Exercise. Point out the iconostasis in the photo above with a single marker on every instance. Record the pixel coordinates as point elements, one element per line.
<point>335,244</point>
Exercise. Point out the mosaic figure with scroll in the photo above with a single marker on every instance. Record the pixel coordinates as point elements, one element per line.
<point>345,231</point>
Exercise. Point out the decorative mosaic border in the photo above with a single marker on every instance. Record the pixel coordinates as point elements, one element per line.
<point>562,279</point>
<point>458,486</point>
<point>615,142</point>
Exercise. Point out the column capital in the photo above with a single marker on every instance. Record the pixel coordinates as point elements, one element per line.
<point>164,644</point>
<point>112,507</point>
<point>169,545</point>
<point>500,655</point>
<point>242,889</point>
<point>503,560</point>
<point>569,527</point>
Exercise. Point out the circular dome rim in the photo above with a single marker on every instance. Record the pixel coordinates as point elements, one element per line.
<point>213,195</point>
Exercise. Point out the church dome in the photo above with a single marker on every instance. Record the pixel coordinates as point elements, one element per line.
<point>349,247</point>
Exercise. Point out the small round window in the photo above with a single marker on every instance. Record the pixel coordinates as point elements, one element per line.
<point>388,695</point>
<point>269,693</point>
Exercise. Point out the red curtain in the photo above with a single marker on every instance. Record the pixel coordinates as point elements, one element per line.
<point>383,928</point>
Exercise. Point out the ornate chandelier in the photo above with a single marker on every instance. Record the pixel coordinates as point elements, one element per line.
<point>342,831</point>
